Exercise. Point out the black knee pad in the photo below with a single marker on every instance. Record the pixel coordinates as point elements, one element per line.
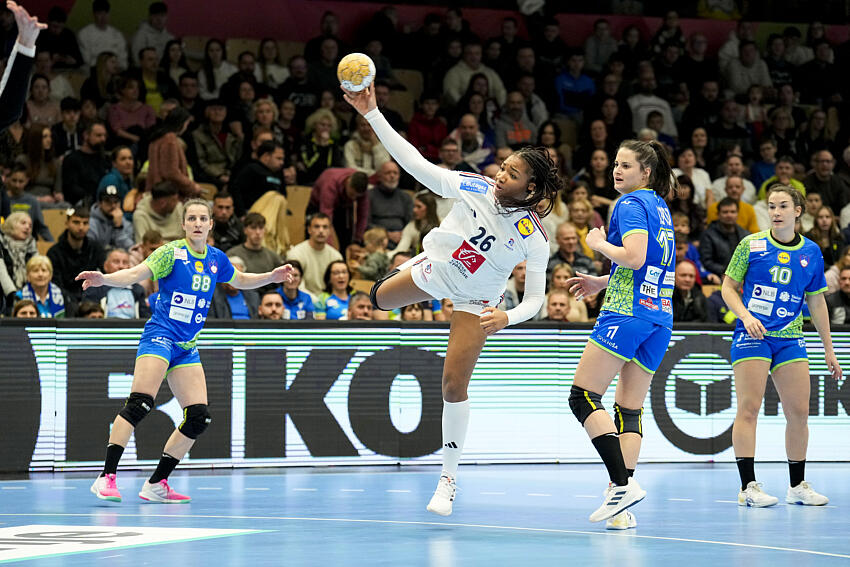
<point>373,294</point>
<point>628,420</point>
<point>583,403</point>
<point>196,419</point>
<point>136,408</point>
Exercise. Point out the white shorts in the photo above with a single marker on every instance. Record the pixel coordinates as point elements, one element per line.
<point>432,277</point>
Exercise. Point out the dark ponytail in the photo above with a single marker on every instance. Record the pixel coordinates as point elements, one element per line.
<point>543,172</point>
<point>654,156</point>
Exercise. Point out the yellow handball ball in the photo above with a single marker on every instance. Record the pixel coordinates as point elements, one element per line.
<point>355,72</point>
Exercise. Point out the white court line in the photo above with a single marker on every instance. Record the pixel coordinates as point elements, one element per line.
<point>63,488</point>
<point>112,556</point>
<point>13,487</point>
<point>537,494</point>
<point>260,488</point>
<point>351,490</point>
<point>452,525</point>
<point>586,496</point>
<point>397,491</point>
<point>208,488</point>
<point>494,493</point>
<point>726,501</point>
<point>680,499</point>
<point>305,489</point>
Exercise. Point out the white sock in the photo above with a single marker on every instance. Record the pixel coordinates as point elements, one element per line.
<point>455,422</point>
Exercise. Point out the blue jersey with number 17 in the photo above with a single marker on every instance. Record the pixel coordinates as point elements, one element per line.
<point>186,285</point>
<point>645,293</point>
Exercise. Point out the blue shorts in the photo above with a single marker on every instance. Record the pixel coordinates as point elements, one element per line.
<point>160,345</point>
<point>777,351</point>
<point>631,338</point>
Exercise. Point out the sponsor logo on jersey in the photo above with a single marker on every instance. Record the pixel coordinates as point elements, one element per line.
<point>199,266</point>
<point>474,184</point>
<point>648,303</point>
<point>670,278</point>
<point>758,245</point>
<point>782,312</point>
<point>804,260</point>
<point>468,257</point>
<point>525,226</point>
<point>764,292</point>
<point>183,300</point>
<point>180,254</point>
<point>801,343</point>
<point>666,306</point>
<point>649,289</point>
<point>784,257</point>
<point>796,298</point>
<point>202,303</point>
<point>653,273</point>
<point>510,244</point>
<point>199,318</point>
<point>428,267</point>
<point>784,296</point>
<point>180,314</point>
<point>164,341</point>
<point>760,307</point>
<point>665,292</point>
<point>479,302</point>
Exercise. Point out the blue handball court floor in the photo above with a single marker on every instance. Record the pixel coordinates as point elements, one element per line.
<point>504,515</point>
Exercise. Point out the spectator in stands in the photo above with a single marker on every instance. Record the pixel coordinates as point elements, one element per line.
<point>271,306</point>
<point>669,72</point>
<point>596,175</point>
<point>121,174</point>
<point>75,252</point>
<point>839,302</point>
<point>360,308</point>
<point>669,33</point>
<point>781,71</point>
<point>25,309</point>
<point>599,47</point>
<point>160,209</point>
<point>457,78</point>
<point>686,161</point>
<point>269,71</point>
<point>746,214</point>
<point>228,230</point>
<point>43,167</point>
<point>734,167</point>
<point>764,168</point>
<point>704,107</point>
<point>91,310</point>
<point>258,259</point>
<point>569,251</point>
<point>424,219</point>
<point>322,71</point>
<point>683,202</point>
<point>747,69</point>
<point>697,67</point>
<point>426,130</point>
<point>382,99</point>
<point>60,86</point>
<point>329,28</point>
<point>451,159</point>
<point>40,107</point>
<point>265,115</point>
<point>83,169</point>
<point>783,130</point>
<point>332,303</point>
<point>814,136</point>
<point>813,205</point>
<point>67,134</point>
<point>645,101</point>
<point>50,299</point>
<point>217,148</point>
<point>340,193</point>
<point>155,85</point>
<point>119,302</point>
<point>17,246</point>
<point>727,135</point>
<point>834,191</point>
<point>190,96</point>
<point>153,32</point>
<point>260,176</point>
<point>795,52</point>
<point>319,151</point>
<point>166,155</point>
<point>535,107</point>
<point>173,60</point>
<point>297,304</point>
<point>818,80</point>
<point>99,36</point>
<point>60,41</point>
<point>129,117</point>
<point>231,303</point>
<point>107,225</point>
<point>514,128</point>
<point>151,240</point>
<point>20,200</point>
<point>632,50</point>
<point>827,236</point>
<point>315,254</point>
<point>689,303</point>
<point>364,152</point>
<point>720,239</point>
<point>101,86</point>
<point>389,206</point>
<point>291,131</point>
<point>300,89</point>
<point>573,88</point>
<point>245,68</point>
<point>474,147</point>
<point>515,288</point>
<point>249,154</point>
<point>783,174</point>
<point>557,305</point>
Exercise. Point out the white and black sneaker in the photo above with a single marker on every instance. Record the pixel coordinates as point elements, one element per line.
<point>754,497</point>
<point>804,494</point>
<point>617,499</point>
<point>441,502</point>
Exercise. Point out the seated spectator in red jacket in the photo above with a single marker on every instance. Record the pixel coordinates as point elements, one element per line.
<point>427,130</point>
<point>340,193</point>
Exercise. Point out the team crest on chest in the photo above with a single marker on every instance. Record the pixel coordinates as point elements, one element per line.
<point>804,260</point>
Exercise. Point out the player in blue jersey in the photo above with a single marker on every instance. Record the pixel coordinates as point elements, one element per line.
<point>188,271</point>
<point>778,268</point>
<point>634,325</point>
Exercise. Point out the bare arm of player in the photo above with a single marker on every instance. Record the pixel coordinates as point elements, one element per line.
<point>407,156</point>
<point>121,278</point>
<point>243,280</point>
<point>820,318</point>
<point>729,291</point>
<point>632,254</point>
<point>582,285</point>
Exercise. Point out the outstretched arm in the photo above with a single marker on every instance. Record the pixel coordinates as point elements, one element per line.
<point>121,278</point>
<point>433,177</point>
<point>242,280</point>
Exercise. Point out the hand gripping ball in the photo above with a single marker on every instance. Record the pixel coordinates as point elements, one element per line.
<point>355,72</point>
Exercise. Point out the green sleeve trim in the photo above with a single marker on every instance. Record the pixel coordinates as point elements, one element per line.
<point>635,231</point>
<point>817,291</point>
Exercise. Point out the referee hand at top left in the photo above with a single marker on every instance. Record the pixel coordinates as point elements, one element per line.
<point>90,279</point>
<point>28,26</point>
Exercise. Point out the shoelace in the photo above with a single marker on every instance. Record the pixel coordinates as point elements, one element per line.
<point>448,487</point>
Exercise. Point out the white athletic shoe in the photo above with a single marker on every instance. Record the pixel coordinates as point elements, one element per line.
<point>106,488</point>
<point>161,492</point>
<point>623,521</point>
<point>755,497</point>
<point>617,499</point>
<point>804,494</point>
<point>441,502</point>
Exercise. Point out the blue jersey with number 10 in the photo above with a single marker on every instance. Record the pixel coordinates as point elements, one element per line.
<point>186,285</point>
<point>645,293</point>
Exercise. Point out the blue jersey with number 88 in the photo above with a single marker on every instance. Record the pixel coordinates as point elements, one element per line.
<point>186,285</point>
<point>645,293</point>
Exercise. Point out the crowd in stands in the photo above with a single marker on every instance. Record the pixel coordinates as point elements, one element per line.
<point>153,124</point>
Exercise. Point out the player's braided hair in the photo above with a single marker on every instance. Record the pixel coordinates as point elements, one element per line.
<point>544,174</point>
<point>654,156</point>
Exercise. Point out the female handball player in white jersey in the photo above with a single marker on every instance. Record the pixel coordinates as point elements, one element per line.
<point>492,227</point>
